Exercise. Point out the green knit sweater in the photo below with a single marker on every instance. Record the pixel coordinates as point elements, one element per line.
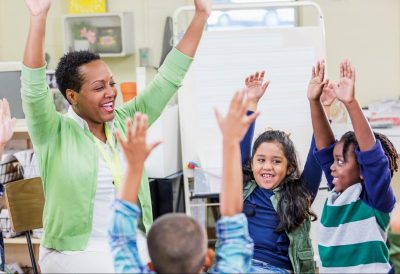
<point>68,157</point>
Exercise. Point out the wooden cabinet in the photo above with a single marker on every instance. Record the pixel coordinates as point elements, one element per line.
<point>16,250</point>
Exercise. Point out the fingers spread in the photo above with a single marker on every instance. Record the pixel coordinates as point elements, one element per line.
<point>322,70</point>
<point>129,129</point>
<point>219,118</point>
<point>342,70</point>
<point>251,118</point>
<point>153,145</point>
<point>264,87</point>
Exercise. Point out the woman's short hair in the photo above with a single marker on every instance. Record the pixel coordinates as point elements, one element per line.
<point>67,72</point>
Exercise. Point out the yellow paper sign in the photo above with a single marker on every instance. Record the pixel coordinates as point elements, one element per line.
<point>86,6</point>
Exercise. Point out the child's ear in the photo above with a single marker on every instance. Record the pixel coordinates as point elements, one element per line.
<point>151,266</point>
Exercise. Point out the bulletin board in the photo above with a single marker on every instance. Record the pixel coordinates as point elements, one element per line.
<point>223,60</point>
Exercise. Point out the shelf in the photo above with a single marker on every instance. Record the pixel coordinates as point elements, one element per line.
<point>20,240</point>
<point>108,34</point>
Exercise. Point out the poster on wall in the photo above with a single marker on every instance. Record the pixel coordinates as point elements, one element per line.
<point>86,6</point>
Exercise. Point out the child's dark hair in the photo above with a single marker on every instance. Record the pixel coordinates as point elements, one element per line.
<point>67,71</point>
<point>294,205</point>
<point>349,138</point>
<point>177,243</point>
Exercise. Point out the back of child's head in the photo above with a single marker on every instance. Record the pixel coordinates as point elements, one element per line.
<point>294,205</point>
<point>177,244</point>
<point>349,140</point>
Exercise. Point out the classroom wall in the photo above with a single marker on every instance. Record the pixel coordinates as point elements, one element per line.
<point>367,32</point>
<point>149,20</point>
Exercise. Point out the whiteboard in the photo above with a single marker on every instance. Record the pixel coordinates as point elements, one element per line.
<point>223,60</point>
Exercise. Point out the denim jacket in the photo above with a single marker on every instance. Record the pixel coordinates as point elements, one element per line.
<point>301,253</point>
<point>234,248</point>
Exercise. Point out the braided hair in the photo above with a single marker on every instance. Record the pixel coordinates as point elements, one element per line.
<point>349,138</point>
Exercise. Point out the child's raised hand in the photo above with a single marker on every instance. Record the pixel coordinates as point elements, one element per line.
<point>255,88</point>
<point>328,95</point>
<point>135,146</point>
<point>235,124</point>
<point>317,81</point>
<point>346,89</point>
<point>7,123</point>
<point>37,7</point>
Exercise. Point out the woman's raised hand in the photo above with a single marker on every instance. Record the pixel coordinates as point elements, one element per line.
<point>38,7</point>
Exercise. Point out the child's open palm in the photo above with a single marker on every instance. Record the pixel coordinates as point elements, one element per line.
<point>6,123</point>
<point>235,124</point>
<point>135,148</point>
<point>345,92</point>
<point>328,95</point>
<point>37,7</point>
<point>317,81</point>
<point>255,88</point>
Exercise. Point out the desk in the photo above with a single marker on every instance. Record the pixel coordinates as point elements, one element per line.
<point>16,250</point>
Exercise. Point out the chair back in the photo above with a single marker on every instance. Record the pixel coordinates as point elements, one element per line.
<point>25,202</point>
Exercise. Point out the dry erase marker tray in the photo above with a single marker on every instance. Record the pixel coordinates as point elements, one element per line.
<point>207,181</point>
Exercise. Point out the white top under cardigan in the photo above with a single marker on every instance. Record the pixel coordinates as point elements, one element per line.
<point>105,195</point>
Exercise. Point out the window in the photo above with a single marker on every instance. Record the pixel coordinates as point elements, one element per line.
<point>251,17</point>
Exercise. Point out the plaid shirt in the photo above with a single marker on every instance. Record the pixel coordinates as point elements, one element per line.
<point>234,245</point>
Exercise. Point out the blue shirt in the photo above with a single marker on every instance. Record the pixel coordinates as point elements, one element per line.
<point>269,246</point>
<point>234,245</point>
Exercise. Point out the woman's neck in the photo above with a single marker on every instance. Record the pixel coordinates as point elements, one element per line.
<point>98,131</point>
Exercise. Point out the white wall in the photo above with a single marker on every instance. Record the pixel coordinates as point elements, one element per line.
<point>367,32</point>
<point>149,20</point>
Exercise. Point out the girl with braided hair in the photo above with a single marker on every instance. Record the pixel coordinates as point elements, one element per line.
<point>359,169</point>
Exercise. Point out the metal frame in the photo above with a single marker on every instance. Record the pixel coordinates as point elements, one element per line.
<point>239,6</point>
<point>178,12</point>
<point>31,254</point>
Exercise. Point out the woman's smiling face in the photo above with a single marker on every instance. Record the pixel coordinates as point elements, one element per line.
<point>96,100</point>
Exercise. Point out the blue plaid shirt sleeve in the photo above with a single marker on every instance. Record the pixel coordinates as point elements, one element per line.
<point>122,238</point>
<point>234,248</point>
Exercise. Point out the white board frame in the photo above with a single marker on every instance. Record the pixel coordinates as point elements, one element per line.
<point>187,99</point>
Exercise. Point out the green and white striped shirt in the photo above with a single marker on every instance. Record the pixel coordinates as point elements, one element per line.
<point>352,237</point>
